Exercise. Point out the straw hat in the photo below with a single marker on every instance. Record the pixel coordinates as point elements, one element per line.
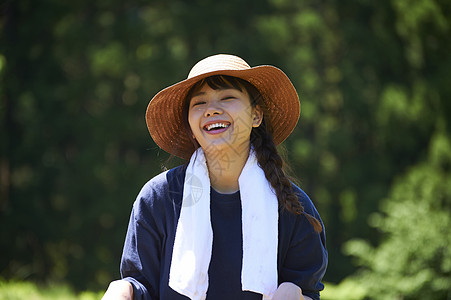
<point>164,115</point>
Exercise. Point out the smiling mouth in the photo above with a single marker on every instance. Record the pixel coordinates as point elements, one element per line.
<point>216,126</point>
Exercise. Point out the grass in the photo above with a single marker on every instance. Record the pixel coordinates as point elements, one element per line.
<point>18,290</point>
<point>15,290</point>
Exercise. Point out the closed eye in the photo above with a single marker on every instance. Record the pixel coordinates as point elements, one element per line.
<point>198,103</point>
<point>228,98</point>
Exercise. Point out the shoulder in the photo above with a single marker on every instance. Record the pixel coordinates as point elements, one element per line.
<point>307,203</point>
<point>162,189</point>
<point>292,223</point>
<point>163,181</point>
<point>309,208</point>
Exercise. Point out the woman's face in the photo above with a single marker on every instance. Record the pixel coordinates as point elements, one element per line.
<point>222,119</point>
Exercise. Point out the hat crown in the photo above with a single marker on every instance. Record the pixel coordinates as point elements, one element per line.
<point>218,62</point>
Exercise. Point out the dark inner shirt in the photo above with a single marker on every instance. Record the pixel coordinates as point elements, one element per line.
<point>226,258</point>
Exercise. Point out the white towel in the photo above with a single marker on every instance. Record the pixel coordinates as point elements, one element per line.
<point>194,236</point>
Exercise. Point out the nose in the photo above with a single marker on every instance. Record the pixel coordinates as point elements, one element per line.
<point>212,109</point>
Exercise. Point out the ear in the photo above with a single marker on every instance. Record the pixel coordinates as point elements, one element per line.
<point>257,116</point>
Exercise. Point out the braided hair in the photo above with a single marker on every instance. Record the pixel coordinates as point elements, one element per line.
<point>263,144</point>
<point>272,164</point>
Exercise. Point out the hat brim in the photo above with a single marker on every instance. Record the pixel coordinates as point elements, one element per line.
<point>165,120</point>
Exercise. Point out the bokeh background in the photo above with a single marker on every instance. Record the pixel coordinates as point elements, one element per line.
<point>372,148</point>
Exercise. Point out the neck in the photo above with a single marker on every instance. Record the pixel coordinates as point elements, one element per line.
<point>225,168</point>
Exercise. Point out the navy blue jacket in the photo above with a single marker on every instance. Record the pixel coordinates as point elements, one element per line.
<point>146,258</point>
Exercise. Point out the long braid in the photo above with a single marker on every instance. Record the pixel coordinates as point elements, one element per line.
<point>272,164</point>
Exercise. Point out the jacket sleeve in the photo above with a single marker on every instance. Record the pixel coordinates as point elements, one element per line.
<point>141,257</point>
<point>305,256</point>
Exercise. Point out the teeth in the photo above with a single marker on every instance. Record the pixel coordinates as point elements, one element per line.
<point>215,125</point>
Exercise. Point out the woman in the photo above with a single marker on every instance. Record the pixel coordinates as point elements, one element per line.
<point>228,224</point>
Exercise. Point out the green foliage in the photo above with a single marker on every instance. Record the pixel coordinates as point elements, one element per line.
<point>348,289</point>
<point>414,257</point>
<point>11,290</point>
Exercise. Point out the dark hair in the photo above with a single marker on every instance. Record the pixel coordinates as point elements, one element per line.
<point>261,139</point>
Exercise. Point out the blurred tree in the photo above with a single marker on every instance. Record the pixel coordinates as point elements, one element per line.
<point>414,258</point>
<point>412,140</point>
<point>69,148</point>
<point>75,82</point>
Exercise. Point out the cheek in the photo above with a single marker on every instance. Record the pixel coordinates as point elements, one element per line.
<point>192,121</point>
